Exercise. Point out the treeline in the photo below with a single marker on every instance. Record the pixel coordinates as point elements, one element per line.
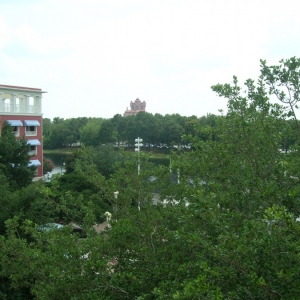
<point>154,129</point>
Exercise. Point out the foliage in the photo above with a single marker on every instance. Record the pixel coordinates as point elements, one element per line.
<point>103,157</point>
<point>48,165</point>
<point>283,82</point>
<point>89,132</point>
<point>154,129</point>
<point>14,158</point>
<point>226,224</point>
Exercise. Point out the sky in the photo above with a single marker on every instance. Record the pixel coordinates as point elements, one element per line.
<point>95,56</point>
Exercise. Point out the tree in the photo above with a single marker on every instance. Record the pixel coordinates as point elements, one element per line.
<point>61,136</point>
<point>228,229</point>
<point>283,82</point>
<point>108,133</point>
<point>14,158</point>
<point>89,133</point>
<point>48,165</point>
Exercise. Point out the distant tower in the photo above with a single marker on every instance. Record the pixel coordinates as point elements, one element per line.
<point>136,107</point>
<point>21,107</point>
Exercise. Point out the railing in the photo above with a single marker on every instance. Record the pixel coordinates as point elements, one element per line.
<point>19,108</point>
<point>30,133</point>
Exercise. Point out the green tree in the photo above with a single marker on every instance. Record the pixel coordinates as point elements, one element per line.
<point>14,158</point>
<point>283,82</point>
<point>108,133</point>
<point>227,229</point>
<point>61,136</point>
<point>89,133</point>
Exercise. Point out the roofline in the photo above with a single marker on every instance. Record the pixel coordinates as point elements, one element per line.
<point>4,86</point>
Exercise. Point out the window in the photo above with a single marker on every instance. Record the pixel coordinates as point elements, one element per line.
<point>7,105</point>
<point>15,124</point>
<point>31,127</point>
<point>16,130</point>
<point>33,146</point>
<point>30,130</point>
<point>32,150</point>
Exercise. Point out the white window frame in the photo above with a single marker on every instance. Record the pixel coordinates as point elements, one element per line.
<point>17,131</point>
<point>33,150</point>
<point>31,132</point>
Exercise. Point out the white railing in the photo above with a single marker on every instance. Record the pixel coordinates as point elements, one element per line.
<point>20,108</point>
<point>30,133</point>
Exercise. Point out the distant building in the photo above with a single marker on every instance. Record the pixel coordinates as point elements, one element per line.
<point>21,107</point>
<point>136,107</point>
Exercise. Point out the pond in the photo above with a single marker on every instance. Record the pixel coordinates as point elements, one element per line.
<point>59,160</point>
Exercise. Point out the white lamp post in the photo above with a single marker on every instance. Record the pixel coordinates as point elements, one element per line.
<point>62,164</point>
<point>137,149</point>
<point>116,193</point>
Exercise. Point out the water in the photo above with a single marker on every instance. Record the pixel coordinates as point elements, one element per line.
<point>58,160</point>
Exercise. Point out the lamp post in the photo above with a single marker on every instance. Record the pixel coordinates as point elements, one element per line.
<point>116,193</point>
<point>137,149</point>
<point>62,163</point>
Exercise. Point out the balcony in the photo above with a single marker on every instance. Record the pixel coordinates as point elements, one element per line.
<point>21,109</point>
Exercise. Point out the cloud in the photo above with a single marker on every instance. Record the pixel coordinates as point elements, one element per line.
<point>5,32</point>
<point>94,56</point>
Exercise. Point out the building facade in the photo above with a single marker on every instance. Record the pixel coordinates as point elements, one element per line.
<point>136,107</point>
<point>21,107</point>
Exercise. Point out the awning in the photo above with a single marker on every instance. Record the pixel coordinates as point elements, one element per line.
<point>50,226</point>
<point>15,122</point>
<point>32,123</point>
<point>34,162</point>
<point>33,142</point>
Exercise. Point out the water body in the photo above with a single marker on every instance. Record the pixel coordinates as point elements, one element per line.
<point>60,158</point>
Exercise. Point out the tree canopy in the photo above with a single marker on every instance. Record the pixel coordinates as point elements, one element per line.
<point>14,158</point>
<point>225,226</point>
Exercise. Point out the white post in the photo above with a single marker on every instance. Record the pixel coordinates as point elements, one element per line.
<point>1,103</point>
<point>26,104</point>
<point>138,145</point>
<point>116,193</point>
<point>178,176</point>
<point>13,103</point>
<point>38,104</point>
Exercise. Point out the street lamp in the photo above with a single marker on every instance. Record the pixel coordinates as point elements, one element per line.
<point>116,193</point>
<point>137,149</point>
<point>62,163</point>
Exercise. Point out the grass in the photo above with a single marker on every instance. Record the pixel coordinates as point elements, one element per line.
<point>153,152</point>
<point>59,151</point>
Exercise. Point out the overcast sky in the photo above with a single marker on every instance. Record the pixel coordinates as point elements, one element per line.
<point>95,56</point>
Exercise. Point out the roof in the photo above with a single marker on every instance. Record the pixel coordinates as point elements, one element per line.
<point>14,87</point>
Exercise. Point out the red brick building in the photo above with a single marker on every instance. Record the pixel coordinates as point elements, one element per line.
<point>21,107</point>
<point>136,107</point>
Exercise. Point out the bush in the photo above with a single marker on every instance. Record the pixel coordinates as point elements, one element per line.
<point>48,165</point>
